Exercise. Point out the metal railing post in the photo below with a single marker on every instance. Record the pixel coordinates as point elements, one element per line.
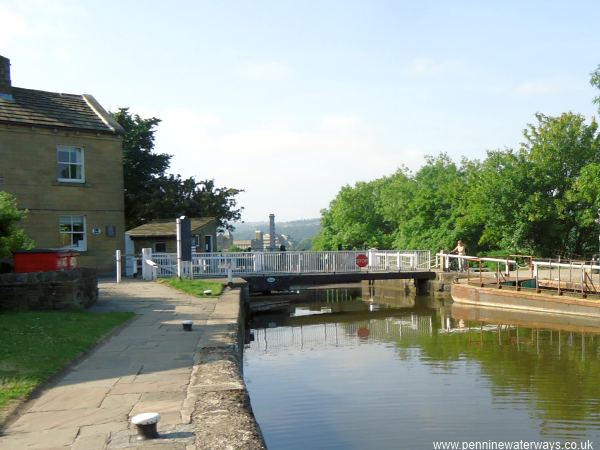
<point>518,288</point>
<point>468,274</point>
<point>570,271</point>
<point>498,275</point>
<point>480,274</point>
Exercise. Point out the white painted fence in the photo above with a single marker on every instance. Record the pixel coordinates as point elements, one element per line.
<point>219,264</point>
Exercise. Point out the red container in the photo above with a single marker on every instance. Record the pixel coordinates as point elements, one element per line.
<point>44,260</point>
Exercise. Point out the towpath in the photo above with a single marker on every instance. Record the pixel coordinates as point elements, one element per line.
<point>150,365</point>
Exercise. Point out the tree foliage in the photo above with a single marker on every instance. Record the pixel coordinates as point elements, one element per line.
<point>151,193</point>
<point>595,81</point>
<point>11,236</point>
<point>541,199</point>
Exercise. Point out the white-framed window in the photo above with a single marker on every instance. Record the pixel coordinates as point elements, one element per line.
<point>70,164</point>
<point>72,232</point>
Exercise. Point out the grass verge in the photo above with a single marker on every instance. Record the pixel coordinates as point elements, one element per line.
<point>35,345</point>
<point>195,287</point>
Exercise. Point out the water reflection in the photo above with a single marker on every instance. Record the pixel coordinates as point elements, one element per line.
<point>397,371</point>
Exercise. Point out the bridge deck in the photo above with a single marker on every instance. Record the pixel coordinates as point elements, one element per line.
<point>280,282</point>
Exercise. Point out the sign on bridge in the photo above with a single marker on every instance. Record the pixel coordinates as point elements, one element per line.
<point>362,260</point>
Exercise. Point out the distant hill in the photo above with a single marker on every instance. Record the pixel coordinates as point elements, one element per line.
<point>300,231</point>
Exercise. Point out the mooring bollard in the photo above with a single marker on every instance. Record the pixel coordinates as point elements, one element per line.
<point>146,425</point>
<point>187,325</point>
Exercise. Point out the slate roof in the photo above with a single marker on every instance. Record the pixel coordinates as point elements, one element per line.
<point>31,107</point>
<point>167,227</point>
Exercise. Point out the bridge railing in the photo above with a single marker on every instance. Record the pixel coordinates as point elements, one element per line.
<point>241,263</point>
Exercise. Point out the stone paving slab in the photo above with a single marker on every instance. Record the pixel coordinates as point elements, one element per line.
<point>145,367</point>
<point>193,379</point>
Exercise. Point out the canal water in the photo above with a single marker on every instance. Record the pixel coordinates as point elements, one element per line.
<point>357,368</point>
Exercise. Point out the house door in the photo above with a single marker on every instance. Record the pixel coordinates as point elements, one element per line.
<point>208,243</point>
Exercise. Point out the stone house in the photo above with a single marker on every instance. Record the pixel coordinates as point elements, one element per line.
<point>161,235</point>
<point>62,160</point>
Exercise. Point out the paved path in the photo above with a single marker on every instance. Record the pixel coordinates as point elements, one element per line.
<point>146,366</point>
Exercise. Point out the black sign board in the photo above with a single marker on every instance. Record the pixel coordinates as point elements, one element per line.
<point>186,238</point>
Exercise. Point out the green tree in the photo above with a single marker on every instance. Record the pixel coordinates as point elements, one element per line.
<point>426,208</point>
<point>174,196</point>
<point>595,81</point>
<point>151,193</point>
<point>354,220</point>
<point>142,168</point>
<point>558,149</point>
<point>493,216</point>
<point>11,236</point>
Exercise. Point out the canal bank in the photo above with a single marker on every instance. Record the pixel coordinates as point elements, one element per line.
<point>192,379</point>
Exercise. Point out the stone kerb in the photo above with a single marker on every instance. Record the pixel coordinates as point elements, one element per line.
<point>48,290</point>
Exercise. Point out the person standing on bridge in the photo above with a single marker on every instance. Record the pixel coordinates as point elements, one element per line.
<point>461,250</point>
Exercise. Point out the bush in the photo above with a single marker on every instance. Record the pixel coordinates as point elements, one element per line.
<point>11,236</point>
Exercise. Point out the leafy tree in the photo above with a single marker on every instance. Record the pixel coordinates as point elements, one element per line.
<point>595,81</point>
<point>558,149</point>
<point>494,219</point>
<point>142,169</point>
<point>585,198</point>
<point>11,236</point>
<point>353,220</point>
<point>150,193</point>
<point>174,196</point>
<point>434,206</point>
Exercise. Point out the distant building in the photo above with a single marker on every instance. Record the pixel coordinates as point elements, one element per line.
<point>254,245</point>
<point>161,235</point>
<point>61,158</point>
<point>243,244</point>
<point>280,239</point>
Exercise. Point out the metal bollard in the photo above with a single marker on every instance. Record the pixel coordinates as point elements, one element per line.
<point>146,425</point>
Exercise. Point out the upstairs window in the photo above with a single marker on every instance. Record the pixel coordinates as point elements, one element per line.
<point>70,164</point>
<point>72,232</point>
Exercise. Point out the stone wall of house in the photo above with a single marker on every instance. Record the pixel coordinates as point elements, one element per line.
<point>29,170</point>
<point>48,290</point>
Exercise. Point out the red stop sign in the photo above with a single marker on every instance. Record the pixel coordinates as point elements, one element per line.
<point>362,260</point>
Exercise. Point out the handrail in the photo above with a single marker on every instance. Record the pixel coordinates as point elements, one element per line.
<point>476,258</point>
<point>566,265</point>
<point>294,262</point>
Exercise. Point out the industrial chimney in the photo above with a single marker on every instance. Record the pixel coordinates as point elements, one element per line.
<point>271,232</point>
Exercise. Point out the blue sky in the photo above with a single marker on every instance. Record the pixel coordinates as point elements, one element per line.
<point>290,100</point>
